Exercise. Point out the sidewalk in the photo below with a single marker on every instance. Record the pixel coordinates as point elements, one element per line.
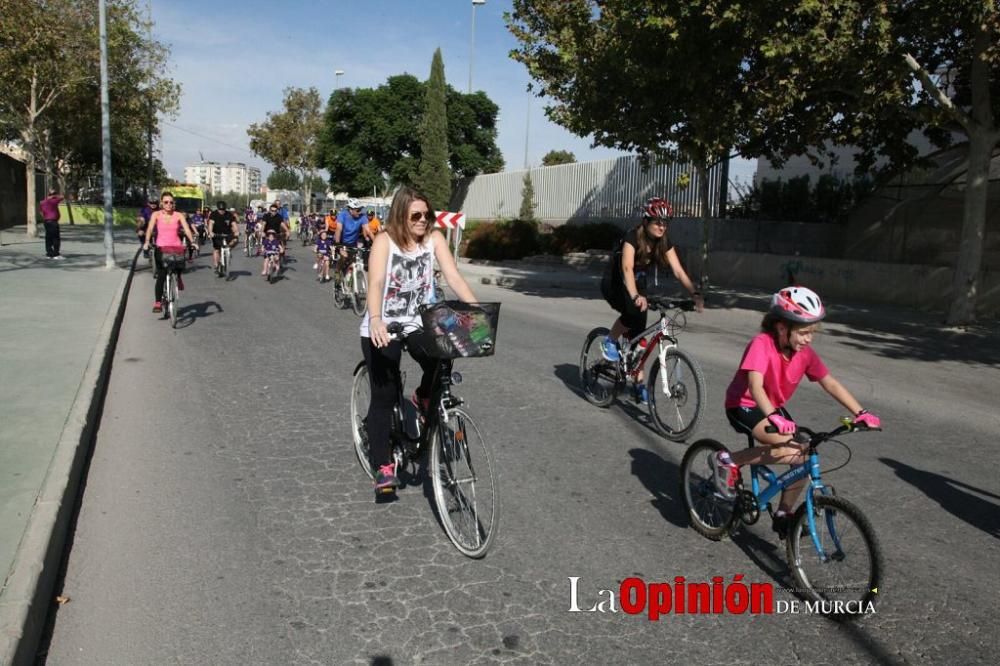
<point>911,333</point>
<point>58,322</point>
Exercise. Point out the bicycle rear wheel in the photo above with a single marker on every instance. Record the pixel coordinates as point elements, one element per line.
<point>359,300</point>
<point>676,394</point>
<point>361,397</point>
<point>599,378</point>
<point>465,484</point>
<point>224,263</point>
<point>711,514</point>
<point>845,567</point>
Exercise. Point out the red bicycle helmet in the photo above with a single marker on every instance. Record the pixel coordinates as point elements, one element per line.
<point>797,304</point>
<point>657,209</point>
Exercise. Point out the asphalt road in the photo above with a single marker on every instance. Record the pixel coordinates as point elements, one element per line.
<point>225,519</point>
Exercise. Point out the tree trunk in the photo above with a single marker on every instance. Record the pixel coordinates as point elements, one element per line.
<point>29,173</point>
<point>983,136</point>
<point>701,169</point>
<point>965,287</point>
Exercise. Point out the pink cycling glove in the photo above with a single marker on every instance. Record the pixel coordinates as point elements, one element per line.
<point>784,426</point>
<point>866,418</point>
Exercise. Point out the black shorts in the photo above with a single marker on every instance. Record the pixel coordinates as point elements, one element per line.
<point>632,318</point>
<point>745,419</point>
<point>218,241</point>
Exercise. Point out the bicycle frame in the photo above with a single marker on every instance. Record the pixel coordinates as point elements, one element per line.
<point>776,484</point>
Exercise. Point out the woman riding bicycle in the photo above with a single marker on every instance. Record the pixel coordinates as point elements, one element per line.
<point>168,225</point>
<point>645,248</point>
<point>401,273</point>
<point>773,364</point>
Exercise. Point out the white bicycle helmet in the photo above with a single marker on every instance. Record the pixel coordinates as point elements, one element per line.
<point>797,304</point>
<point>354,203</point>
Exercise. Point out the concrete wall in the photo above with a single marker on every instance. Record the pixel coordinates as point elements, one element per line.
<point>917,286</point>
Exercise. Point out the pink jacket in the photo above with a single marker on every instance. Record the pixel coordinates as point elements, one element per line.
<point>50,208</point>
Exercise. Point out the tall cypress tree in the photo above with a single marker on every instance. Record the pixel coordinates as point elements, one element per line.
<point>433,174</point>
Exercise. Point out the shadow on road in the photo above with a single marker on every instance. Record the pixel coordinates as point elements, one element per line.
<point>235,275</point>
<point>569,375</point>
<point>963,501</point>
<point>661,478</point>
<point>189,313</point>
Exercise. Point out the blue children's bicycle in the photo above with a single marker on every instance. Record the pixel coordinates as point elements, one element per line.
<point>831,547</point>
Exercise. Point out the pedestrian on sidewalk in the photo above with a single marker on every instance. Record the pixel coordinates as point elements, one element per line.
<point>50,217</point>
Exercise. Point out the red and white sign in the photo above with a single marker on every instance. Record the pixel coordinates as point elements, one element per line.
<point>446,220</point>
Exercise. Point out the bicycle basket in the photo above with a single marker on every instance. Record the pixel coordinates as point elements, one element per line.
<point>173,261</point>
<point>460,330</point>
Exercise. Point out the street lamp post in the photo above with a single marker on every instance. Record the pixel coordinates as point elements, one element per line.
<point>472,40</point>
<point>336,78</point>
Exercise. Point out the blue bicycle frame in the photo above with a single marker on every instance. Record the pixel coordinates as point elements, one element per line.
<point>776,484</point>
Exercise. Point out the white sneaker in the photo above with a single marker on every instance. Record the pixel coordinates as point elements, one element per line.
<point>315,266</point>
<point>724,475</point>
<point>59,257</point>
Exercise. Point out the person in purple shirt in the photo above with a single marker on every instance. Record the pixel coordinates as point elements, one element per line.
<point>324,250</point>
<point>50,216</point>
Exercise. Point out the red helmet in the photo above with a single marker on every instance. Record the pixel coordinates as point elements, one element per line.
<point>797,304</point>
<point>657,208</point>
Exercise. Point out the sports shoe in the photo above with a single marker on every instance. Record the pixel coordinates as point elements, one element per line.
<point>386,479</point>
<point>59,257</point>
<point>641,394</point>
<point>609,349</point>
<point>180,283</point>
<point>724,473</point>
<point>157,307</point>
<point>315,266</point>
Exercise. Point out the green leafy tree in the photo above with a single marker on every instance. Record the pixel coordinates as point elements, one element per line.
<point>49,72</point>
<point>556,157</point>
<point>433,172</point>
<point>283,179</point>
<point>874,72</point>
<point>289,139</point>
<point>370,136</point>
<point>527,211</point>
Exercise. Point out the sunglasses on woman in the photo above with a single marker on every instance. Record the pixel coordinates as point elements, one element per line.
<point>417,216</point>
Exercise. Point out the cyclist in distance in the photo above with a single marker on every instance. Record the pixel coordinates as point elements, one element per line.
<point>324,252</point>
<point>222,224</point>
<point>643,251</point>
<point>168,225</point>
<point>371,227</point>
<point>349,225</point>
<point>772,366</point>
<point>400,281</point>
<point>271,248</point>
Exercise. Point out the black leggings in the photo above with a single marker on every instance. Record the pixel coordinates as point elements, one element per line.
<point>383,371</point>
<point>161,274</point>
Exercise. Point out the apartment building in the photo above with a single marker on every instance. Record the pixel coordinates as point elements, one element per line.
<point>218,178</point>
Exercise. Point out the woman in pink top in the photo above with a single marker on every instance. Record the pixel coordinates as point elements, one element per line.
<point>169,224</point>
<point>773,364</point>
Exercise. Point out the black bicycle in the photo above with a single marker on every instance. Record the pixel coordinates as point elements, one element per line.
<point>462,472</point>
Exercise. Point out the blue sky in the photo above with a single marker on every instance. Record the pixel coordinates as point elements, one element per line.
<point>234,59</point>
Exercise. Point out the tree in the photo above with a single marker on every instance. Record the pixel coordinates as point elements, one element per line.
<point>433,173</point>
<point>880,71</point>
<point>50,76</point>
<point>556,157</point>
<point>662,79</point>
<point>527,212</point>
<point>283,179</point>
<point>289,139</point>
<point>370,135</point>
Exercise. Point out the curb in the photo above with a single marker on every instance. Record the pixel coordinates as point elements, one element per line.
<point>33,576</point>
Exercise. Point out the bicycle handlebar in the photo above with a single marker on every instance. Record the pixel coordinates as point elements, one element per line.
<point>665,303</point>
<point>804,435</point>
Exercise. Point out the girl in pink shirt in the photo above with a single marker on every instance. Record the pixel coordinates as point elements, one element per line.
<point>773,364</point>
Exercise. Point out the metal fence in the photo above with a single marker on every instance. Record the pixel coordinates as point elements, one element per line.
<point>609,189</point>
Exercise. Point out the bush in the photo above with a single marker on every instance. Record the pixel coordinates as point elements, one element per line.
<point>509,239</point>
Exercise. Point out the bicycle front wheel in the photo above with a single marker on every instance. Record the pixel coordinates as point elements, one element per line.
<point>361,397</point>
<point>360,297</point>
<point>465,484</point>
<point>712,514</point>
<point>840,564</point>
<point>599,378</point>
<point>172,297</point>
<point>225,262</point>
<point>676,394</point>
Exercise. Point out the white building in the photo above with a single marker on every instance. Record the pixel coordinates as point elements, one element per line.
<point>217,178</point>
